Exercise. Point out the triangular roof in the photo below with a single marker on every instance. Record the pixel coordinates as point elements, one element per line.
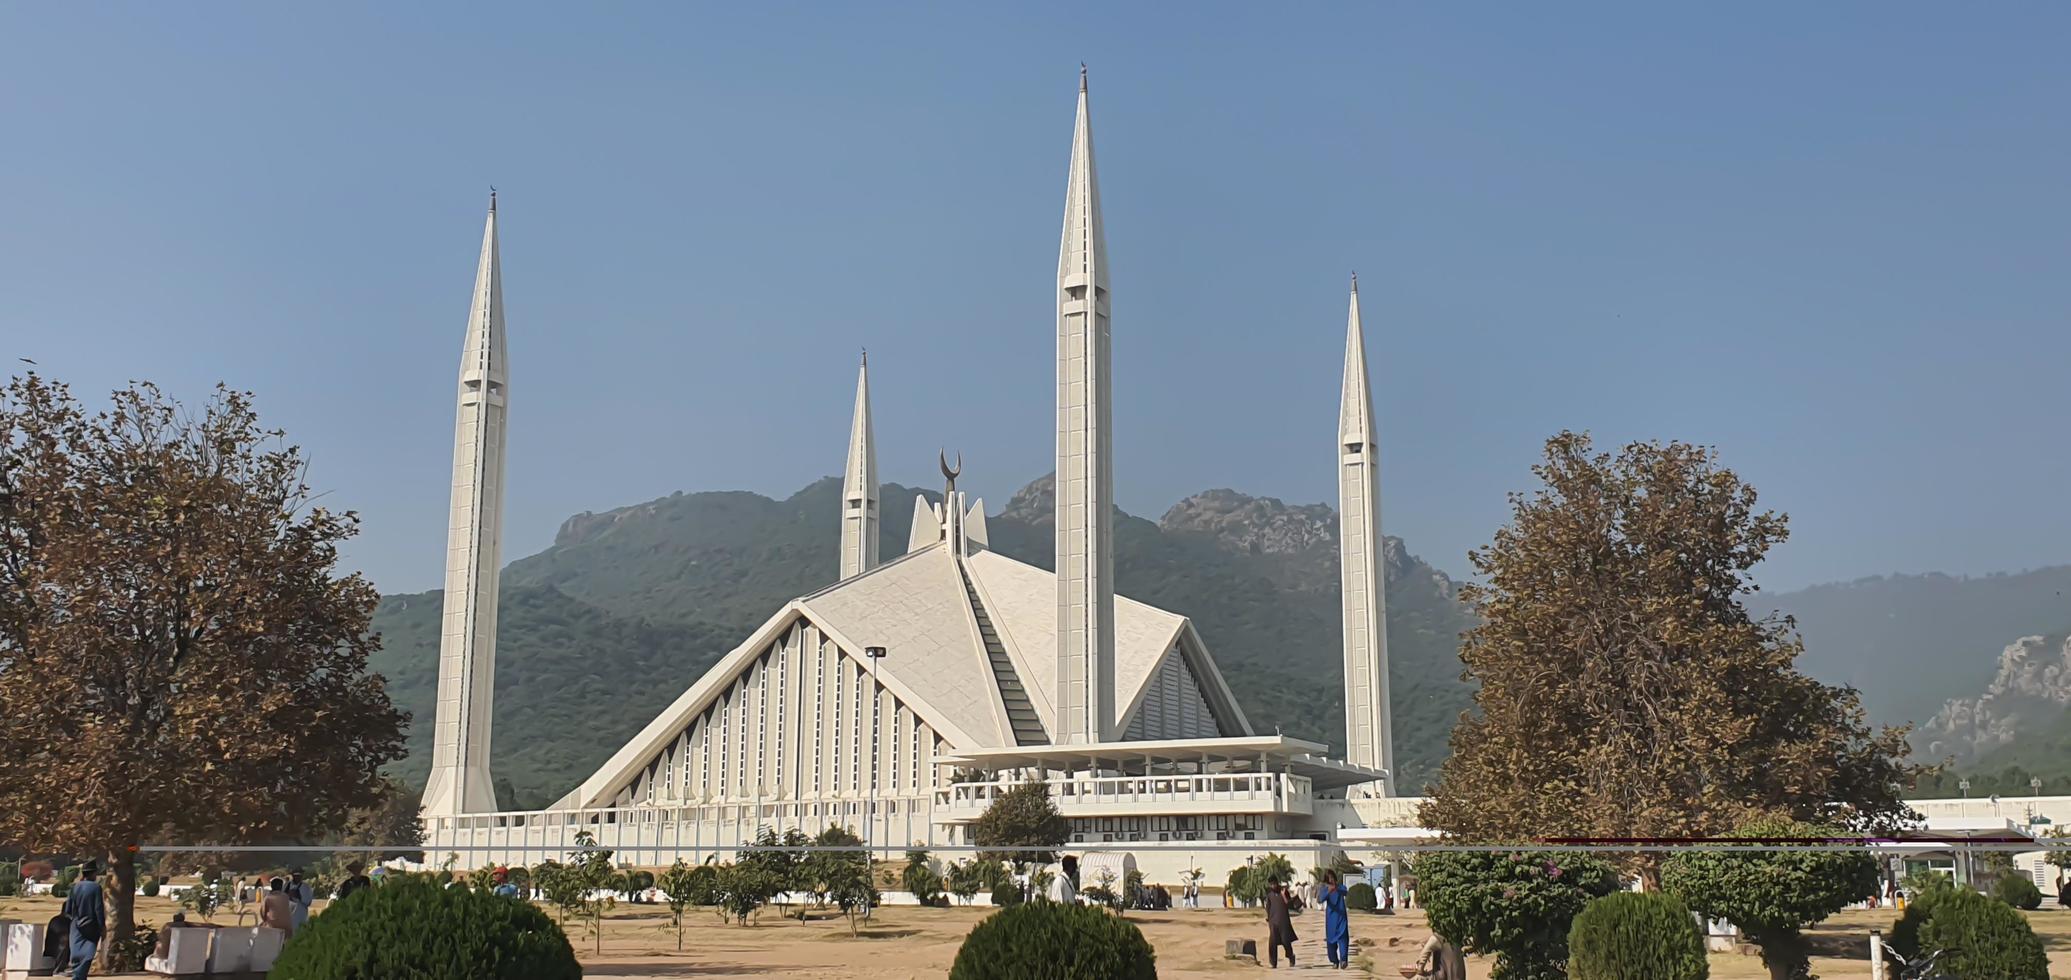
<point>916,607</point>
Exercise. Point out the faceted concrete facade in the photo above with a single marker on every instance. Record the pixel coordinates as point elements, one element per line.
<point>1368,739</point>
<point>474,554</point>
<point>1085,459</point>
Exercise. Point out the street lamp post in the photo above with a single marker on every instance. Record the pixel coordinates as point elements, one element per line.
<point>871,655</point>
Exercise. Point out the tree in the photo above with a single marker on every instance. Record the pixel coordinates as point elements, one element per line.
<point>1022,817</point>
<point>680,884</point>
<point>966,879</point>
<point>1772,895</point>
<point>167,587</point>
<point>589,872</point>
<point>822,868</point>
<point>1624,690</point>
<point>850,889</point>
<point>919,879</point>
<point>1518,905</point>
<point>395,817</point>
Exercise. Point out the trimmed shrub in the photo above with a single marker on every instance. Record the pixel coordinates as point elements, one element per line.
<point>1054,941</point>
<point>1517,905</point>
<point>414,930</point>
<point>1360,897</point>
<point>1772,895</point>
<point>1984,938</point>
<point>2018,891</point>
<point>150,887</point>
<point>1006,893</point>
<point>1635,936</point>
<point>1920,903</point>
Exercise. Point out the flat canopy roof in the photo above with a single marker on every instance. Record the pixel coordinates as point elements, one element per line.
<point>1295,755</point>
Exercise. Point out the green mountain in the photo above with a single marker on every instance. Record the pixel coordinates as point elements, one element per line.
<point>627,608</point>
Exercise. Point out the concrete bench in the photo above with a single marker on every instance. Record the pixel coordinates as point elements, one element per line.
<point>266,944</point>
<point>231,950</point>
<point>181,952</point>
<point>23,954</point>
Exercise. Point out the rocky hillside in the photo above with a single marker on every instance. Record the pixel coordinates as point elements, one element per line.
<point>2031,689</point>
<point>628,607</point>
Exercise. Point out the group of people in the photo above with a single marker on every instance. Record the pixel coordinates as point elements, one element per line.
<point>280,903</point>
<point>1438,960</point>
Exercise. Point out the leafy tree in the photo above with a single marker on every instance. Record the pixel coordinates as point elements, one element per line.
<point>590,870</point>
<point>1021,817</point>
<point>744,887</point>
<point>555,885</point>
<point>680,884</point>
<point>850,889</point>
<point>160,572</point>
<point>822,868</point>
<point>1518,905</point>
<point>965,879</point>
<point>1772,895</point>
<point>920,879</point>
<point>1624,690</point>
<point>1245,885</point>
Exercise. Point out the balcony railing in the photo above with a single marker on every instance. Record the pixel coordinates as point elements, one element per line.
<point>1091,796</point>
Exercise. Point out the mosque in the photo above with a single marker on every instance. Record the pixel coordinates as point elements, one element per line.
<point>908,693</point>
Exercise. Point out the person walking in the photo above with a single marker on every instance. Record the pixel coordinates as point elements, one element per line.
<point>275,910</point>
<point>89,918</point>
<point>300,897</point>
<point>1337,928</point>
<point>1279,926</point>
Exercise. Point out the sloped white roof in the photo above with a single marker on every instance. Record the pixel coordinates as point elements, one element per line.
<point>1023,602</point>
<point>915,607</point>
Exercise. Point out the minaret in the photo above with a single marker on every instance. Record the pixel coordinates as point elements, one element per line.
<point>1085,459</point>
<point>474,537</point>
<point>859,486</point>
<point>1368,741</point>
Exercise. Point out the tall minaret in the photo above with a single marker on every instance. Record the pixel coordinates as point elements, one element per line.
<point>474,537</point>
<point>1085,459</point>
<point>859,486</point>
<point>1368,741</point>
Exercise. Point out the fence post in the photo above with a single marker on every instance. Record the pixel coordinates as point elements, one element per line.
<point>1876,955</point>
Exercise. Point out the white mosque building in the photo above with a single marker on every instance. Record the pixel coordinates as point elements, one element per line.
<point>904,696</point>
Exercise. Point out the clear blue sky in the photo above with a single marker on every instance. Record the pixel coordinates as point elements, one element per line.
<point>1830,239</point>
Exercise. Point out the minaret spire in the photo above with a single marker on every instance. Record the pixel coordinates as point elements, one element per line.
<point>859,485</point>
<point>459,780</point>
<point>1363,562</point>
<point>1086,709</point>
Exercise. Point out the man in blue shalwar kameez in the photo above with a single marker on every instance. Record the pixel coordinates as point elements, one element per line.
<point>1337,930</point>
<point>89,919</point>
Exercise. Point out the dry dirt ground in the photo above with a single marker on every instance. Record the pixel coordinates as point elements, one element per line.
<point>911,942</point>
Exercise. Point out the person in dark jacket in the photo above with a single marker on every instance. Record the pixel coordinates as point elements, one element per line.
<point>355,880</point>
<point>89,919</point>
<point>1279,926</point>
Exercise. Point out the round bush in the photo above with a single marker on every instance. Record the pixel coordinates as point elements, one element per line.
<point>1518,905</point>
<point>1984,937</point>
<point>150,888</point>
<point>1635,936</point>
<point>1054,941</point>
<point>2018,891</point>
<point>1360,897</point>
<point>1006,893</point>
<point>414,930</point>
